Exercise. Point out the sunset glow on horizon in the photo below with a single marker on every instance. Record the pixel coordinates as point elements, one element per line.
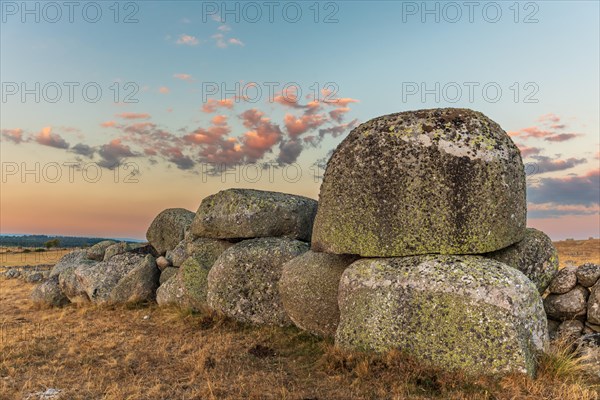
<point>105,124</point>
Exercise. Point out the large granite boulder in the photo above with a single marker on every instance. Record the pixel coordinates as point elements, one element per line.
<point>248,213</point>
<point>457,312</point>
<point>98,281</point>
<point>167,274</point>
<point>447,181</point>
<point>49,293</point>
<point>309,290</point>
<point>96,252</point>
<point>168,228</point>
<point>535,256</point>
<point>567,305</point>
<point>244,281</point>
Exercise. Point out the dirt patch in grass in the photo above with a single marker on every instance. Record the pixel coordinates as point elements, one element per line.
<point>165,353</point>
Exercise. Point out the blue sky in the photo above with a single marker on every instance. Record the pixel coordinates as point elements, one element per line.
<point>374,55</point>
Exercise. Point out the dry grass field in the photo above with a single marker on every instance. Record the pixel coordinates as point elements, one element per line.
<point>577,252</point>
<point>90,352</point>
<point>15,257</point>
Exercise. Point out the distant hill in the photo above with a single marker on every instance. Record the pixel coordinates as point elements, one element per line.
<point>64,241</point>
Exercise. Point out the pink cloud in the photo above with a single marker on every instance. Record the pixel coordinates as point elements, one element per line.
<point>219,120</point>
<point>297,126</point>
<point>130,115</point>
<point>550,117</point>
<point>528,151</point>
<point>108,124</point>
<point>562,137</point>
<point>236,42</point>
<point>338,114</point>
<point>164,90</point>
<point>14,135</point>
<point>183,77</point>
<point>212,105</point>
<point>187,40</point>
<point>47,138</point>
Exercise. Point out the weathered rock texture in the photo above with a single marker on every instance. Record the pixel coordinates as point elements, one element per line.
<point>247,213</point>
<point>564,281</point>
<point>447,181</point>
<point>458,312</point>
<point>244,281</point>
<point>568,305</point>
<point>309,290</point>
<point>49,293</point>
<point>535,256</point>
<point>96,252</point>
<point>168,228</point>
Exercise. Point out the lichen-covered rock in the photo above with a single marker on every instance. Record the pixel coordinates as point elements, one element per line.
<point>244,281</point>
<point>568,305</point>
<point>171,293</point>
<point>248,213</point>
<point>49,293</point>
<point>34,276</point>
<point>569,331</point>
<point>138,285</point>
<point>457,312</point>
<point>205,250</point>
<point>71,261</point>
<point>588,348</point>
<point>593,306</point>
<point>72,287</point>
<point>99,280</point>
<point>167,274</point>
<point>96,252</point>
<point>117,248</point>
<point>447,181</point>
<point>12,273</point>
<point>564,281</point>
<point>535,256</point>
<point>588,274</point>
<point>194,270</point>
<point>65,268</point>
<point>309,290</point>
<point>168,228</point>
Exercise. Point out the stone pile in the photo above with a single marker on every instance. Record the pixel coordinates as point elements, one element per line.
<point>573,302</point>
<point>418,242</point>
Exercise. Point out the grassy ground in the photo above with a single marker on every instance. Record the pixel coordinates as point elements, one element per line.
<point>577,252</point>
<point>14,257</point>
<point>152,353</point>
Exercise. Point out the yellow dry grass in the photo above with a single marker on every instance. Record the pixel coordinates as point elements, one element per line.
<point>577,252</point>
<point>116,353</point>
<point>14,257</point>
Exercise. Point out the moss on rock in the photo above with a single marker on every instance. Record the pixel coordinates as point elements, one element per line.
<point>535,256</point>
<point>458,312</point>
<point>244,281</point>
<point>447,181</point>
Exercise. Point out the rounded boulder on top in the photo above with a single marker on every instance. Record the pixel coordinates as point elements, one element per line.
<point>446,181</point>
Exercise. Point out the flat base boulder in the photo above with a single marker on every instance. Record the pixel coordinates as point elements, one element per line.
<point>244,281</point>
<point>309,290</point>
<point>457,312</point>
<point>535,256</point>
<point>248,213</point>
